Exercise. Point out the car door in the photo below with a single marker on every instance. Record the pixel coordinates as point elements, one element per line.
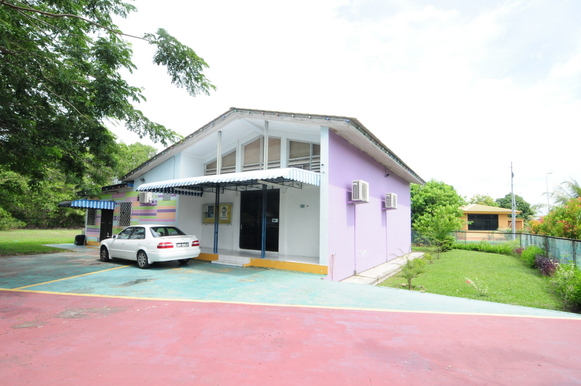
<point>118,247</point>
<point>134,243</point>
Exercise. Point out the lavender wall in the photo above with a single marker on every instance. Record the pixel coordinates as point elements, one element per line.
<point>363,236</point>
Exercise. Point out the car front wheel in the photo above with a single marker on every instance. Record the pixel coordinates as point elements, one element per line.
<point>142,261</point>
<point>104,254</point>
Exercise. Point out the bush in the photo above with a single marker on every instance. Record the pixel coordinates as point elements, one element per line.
<point>412,269</point>
<point>546,265</point>
<point>8,222</point>
<point>483,246</point>
<point>567,282</point>
<point>529,255</point>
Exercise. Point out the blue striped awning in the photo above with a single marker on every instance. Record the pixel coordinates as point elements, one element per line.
<point>88,204</point>
<point>274,176</point>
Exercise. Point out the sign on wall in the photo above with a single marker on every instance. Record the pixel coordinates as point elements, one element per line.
<point>224,213</point>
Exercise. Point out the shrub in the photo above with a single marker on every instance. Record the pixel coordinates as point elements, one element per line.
<point>567,282</point>
<point>412,269</point>
<point>483,246</point>
<point>530,254</point>
<point>546,265</point>
<point>518,251</point>
<point>8,222</point>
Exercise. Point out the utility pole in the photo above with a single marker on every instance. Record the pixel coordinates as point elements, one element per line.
<point>513,204</point>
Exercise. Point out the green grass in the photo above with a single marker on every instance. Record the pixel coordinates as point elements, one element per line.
<point>30,242</point>
<point>505,279</point>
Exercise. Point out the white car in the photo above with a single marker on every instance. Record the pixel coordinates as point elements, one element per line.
<point>148,244</point>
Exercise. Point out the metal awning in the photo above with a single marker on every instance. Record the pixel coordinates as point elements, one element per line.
<point>88,204</point>
<point>195,185</point>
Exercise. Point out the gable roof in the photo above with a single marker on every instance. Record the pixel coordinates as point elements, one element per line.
<point>348,128</point>
<point>477,208</point>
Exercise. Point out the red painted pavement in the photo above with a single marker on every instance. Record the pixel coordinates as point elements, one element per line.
<point>66,340</point>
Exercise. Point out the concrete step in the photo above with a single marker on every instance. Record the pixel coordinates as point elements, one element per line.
<point>236,261</point>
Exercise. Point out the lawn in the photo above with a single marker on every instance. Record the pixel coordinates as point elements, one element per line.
<point>30,242</point>
<point>499,278</point>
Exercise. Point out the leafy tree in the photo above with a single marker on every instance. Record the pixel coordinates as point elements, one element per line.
<point>37,206</point>
<point>131,156</point>
<point>425,198</point>
<point>482,199</point>
<point>525,208</point>
<point>438,225</point>
<point>562,221</point>
<point>60,71</point>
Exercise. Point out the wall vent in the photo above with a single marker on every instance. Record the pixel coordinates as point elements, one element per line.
<point>360,191</point>
<point>390,201</point>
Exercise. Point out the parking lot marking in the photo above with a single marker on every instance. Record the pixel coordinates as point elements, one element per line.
<point>67,278</point>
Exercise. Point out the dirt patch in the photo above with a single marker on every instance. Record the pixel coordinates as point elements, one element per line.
<point>133,282</point>
<point>81,313</point>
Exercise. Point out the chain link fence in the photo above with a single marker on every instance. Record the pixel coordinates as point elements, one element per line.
<point>564,250</point>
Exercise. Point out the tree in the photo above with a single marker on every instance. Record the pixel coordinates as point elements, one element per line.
<point>482,199</point>
<point>526,210</point>
<point>438,225</point>
<point>566,191</point>
<point>431,195</point>
<point>562,221</point>
<point>23,205</point>
<point>60,71</point>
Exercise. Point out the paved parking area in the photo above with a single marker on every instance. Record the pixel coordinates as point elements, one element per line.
<point>69,318</point>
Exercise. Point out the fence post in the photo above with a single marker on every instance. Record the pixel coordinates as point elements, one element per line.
<point>574,246</point>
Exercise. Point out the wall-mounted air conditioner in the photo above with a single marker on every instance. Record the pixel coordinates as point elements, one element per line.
<point>145,198</point>
<point>360,191</point>
<point>390,201</point>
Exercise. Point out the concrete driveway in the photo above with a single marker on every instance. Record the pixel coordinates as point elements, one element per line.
<point>67,318</point>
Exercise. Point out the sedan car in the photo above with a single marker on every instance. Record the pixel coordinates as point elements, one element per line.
<point>147,244</point>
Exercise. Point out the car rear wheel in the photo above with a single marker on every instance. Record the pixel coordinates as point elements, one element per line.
<point>142,261</point>
<point>104,254</point>
<point>184,261</point>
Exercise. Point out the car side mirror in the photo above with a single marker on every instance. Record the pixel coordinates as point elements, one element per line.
<point>114,236</point>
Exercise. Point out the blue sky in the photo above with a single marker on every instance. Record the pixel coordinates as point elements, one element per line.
<point>457,89</point>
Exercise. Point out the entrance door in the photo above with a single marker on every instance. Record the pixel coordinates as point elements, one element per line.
<point>106,224</point>
<point>251,219</point>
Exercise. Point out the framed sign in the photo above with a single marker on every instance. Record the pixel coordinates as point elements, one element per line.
<point>224,213</point>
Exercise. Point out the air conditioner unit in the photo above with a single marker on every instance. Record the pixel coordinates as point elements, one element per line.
<point>390,201</point>
<point>145,197</point>
<point>360,191</point>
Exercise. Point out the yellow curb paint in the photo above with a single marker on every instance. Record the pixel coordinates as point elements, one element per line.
<point>289,266</point>
<point>294,305</point>
<point>207,257</point>
<point>67,278</point>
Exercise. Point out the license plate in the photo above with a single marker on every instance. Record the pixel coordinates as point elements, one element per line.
<point>182,244</point>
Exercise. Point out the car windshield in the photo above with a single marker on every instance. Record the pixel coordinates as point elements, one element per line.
<point>166,231</point>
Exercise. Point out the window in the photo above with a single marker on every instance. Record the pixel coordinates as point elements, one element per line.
<point>304,155</point>
<point>124,214</point>
<point>482,222</point>
<point>228,164</point>
<point>138,234</point>
<point>91,216</point>
<point>253,154</point>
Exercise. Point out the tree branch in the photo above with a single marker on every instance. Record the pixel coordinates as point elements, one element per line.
<point>20,8</point>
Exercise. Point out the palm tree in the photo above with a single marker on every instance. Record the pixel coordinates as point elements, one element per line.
<point>566,191</point>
